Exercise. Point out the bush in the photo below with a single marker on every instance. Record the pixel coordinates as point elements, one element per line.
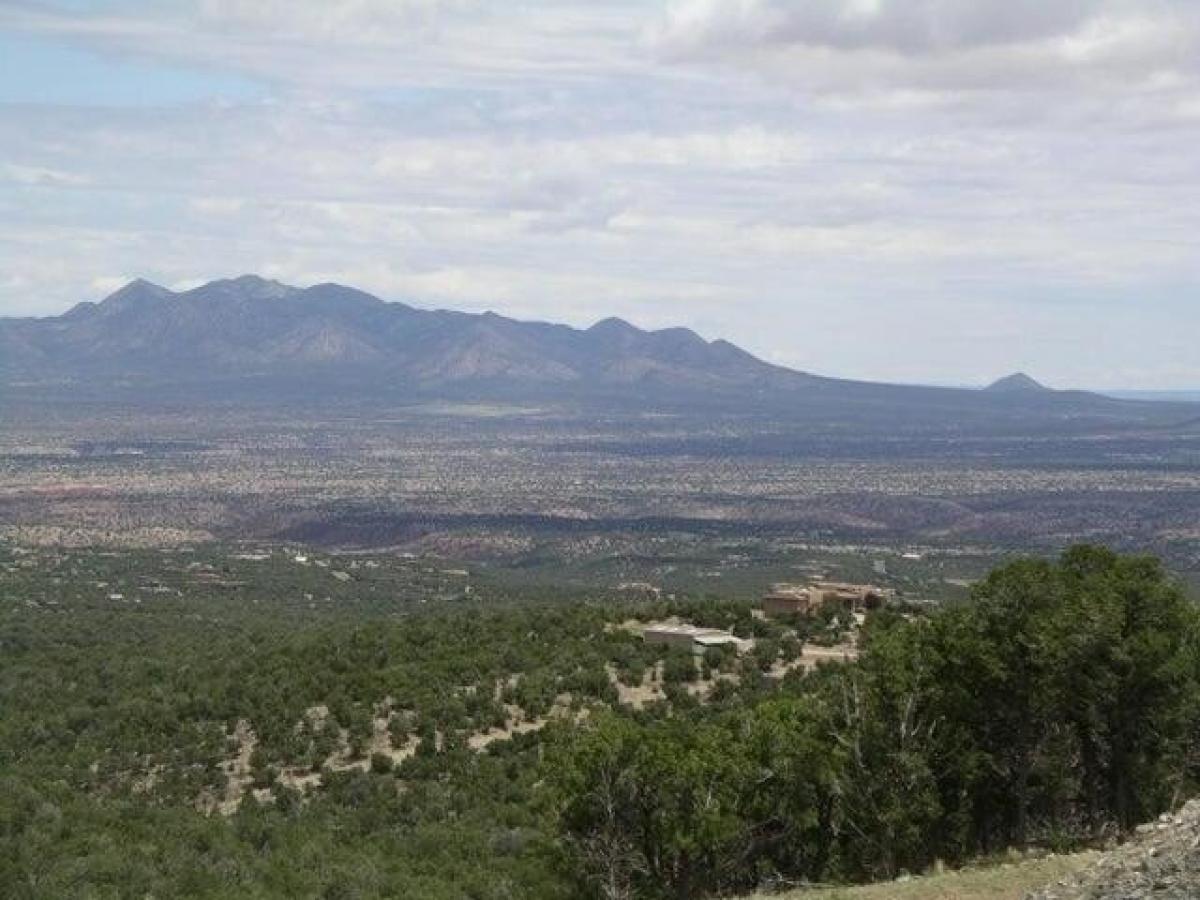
<point>381,763</point>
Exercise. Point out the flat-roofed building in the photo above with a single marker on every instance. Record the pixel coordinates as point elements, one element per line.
<point>787,600</point>
<point>689,636</point>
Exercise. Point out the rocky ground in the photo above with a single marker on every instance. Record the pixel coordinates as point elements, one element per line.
<point>1009,880</point>
<point>1161,863</point>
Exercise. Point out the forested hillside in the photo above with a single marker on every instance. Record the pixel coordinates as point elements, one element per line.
<point>363,732</point>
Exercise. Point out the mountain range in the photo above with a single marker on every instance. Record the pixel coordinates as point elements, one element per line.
<point>251,327</point>
<point>250,335</point>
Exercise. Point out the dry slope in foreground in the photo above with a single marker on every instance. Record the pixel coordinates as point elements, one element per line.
<point>1010,881</point>
<point>1162,862</point>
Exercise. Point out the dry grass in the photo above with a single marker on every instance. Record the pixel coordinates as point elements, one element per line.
<point>1009,881</point>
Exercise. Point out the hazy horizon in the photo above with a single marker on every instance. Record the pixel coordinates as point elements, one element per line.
<point>913,192</point>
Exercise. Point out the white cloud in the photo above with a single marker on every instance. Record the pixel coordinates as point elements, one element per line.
<point>903,26</point>
<point>218,206</point>
<point>40,176</point>
<point>888,48</point>
<point>321,46</point>
<point>367,21</point>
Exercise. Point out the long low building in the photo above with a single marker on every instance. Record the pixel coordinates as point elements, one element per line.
<point>691,636</point>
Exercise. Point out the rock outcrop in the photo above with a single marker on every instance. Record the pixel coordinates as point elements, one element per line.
<point>1162,862</point>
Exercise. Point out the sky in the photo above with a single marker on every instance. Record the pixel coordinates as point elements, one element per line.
<point>936,191</point>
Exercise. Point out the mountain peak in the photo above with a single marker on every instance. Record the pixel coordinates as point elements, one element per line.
<point>1017,383</point>
<point>142,284</point>
<point>253,287</point>
<point>250,281</point>
<point>136,293</point>
<point>613,325</point>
